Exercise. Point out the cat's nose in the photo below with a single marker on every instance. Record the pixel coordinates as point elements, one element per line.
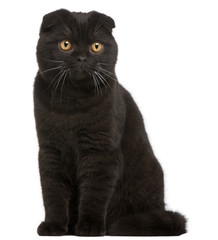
<point>81,59</point>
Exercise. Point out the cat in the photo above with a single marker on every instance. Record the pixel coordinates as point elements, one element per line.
<point>99,175</point>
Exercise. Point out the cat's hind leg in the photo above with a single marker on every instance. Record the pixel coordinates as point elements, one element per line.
<point>162,223</point>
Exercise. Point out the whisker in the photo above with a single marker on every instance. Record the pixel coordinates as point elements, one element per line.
<point>107,64</point>
<point>94,83</point>
<point>64,79</point>
<point>50,69</point>
<point>56,86</point>
<point>57,83</point>
<point>107,75</point>
<point>55,78</point>
<point>51,60</point>
<point>98,84</point>
<point>97,87</point>
<point>100,78</point>
<point>98,26</point>
<point>110,73</point>
<point>63,23</point>
<point>104,80</point>
<point>66,27</point>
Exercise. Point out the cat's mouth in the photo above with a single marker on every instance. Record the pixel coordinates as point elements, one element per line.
<point>80,67</point>
<point>79,72</point>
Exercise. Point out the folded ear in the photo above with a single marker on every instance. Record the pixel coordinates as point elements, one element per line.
<point>102,20</point>
<point>109,22</point>
<point>52,19</point>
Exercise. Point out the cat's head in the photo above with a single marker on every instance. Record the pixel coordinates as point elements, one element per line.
<point>79,46</point>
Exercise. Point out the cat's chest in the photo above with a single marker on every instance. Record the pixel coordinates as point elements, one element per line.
<point>79,131</point>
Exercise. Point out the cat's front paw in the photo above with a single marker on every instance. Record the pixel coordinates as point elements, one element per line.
<point>90,229</point>
<point>51,229</point>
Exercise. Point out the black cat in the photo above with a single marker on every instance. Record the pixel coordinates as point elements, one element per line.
<point>98,172</point>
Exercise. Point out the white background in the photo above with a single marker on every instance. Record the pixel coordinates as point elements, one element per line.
<point>172,48</point>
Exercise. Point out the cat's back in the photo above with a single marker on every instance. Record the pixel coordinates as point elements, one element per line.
<point>134,123</point>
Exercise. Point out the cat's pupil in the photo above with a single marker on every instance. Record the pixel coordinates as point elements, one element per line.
<point>96,46</point>
<point>65,44</point>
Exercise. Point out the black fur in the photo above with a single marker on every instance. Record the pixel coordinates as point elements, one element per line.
<point>98,172</point>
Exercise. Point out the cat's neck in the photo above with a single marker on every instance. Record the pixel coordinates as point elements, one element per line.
<point>73,97</point>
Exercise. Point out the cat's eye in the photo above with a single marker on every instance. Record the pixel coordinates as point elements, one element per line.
<point>65,45</point>
<point>96,46</point>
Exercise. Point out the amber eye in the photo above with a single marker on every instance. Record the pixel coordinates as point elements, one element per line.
<point>96,46</point>
<point>65,44</point>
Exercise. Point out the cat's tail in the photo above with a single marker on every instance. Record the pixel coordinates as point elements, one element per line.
<point>164,223</point>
